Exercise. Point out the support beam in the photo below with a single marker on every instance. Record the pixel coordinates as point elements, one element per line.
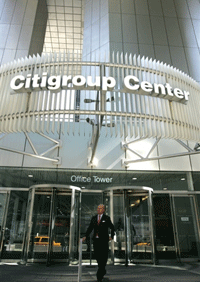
<point>30,155</point>
<point>127,162</point>
<point>35,154</point>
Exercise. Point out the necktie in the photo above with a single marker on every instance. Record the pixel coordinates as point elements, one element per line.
<point>99,219</point>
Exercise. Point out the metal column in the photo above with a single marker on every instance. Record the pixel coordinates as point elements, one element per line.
<point>71,237</point>
<point>51,227</point>
<point>150,206</point>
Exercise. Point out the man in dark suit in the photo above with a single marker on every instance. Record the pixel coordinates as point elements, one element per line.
<point>100,223</point>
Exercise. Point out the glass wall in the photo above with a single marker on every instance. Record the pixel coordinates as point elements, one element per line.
<point>3,197</point>
<point>186,226</point>
<point>15,225</point>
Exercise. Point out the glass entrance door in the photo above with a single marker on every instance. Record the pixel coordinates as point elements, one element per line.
<point>52,224</point>
<point>176,226</point>
<point>186,227</point>
<point>164,227</point>
<point>131,213</point>
<point>139,228</point>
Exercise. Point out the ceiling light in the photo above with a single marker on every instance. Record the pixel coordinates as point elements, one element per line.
<point>95,161</point>
<point>30,175</point>
<point>134,178</point>
<point>183,179</point>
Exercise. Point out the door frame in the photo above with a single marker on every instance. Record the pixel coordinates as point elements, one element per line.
<point>28,224</point>
<point>136,190</point>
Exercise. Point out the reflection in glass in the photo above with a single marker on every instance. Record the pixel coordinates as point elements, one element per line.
<point>188,238</point>
<point>3,197</point>
<point>40,234</point>
<point>2,207</point>
<point>62,226</point>
<point>15,223</point>
<point>119,240</point>
<point>39,239</point>
<point>140,231</point>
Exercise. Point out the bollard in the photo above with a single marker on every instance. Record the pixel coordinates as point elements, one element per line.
<point>80,261</point>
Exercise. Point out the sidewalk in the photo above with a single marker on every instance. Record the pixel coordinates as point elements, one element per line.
<point>134,273</point>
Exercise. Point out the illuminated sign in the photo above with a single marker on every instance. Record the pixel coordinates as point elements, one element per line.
<point>132,84</point>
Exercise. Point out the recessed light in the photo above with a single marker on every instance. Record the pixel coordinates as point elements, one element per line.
<point>183,179</point>
<point>165,188</point>
<point>134,178</point>
<point>30,175</point>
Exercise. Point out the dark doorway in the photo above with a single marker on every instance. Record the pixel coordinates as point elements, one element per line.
<point>165,245</point>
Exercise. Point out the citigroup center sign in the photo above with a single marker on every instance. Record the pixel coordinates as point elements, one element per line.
<point>131,84</point>
<point>133,96</point>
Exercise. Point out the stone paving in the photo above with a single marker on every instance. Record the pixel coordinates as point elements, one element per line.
<point>134,273</point>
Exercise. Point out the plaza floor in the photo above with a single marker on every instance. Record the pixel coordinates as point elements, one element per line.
<point>165,272</point>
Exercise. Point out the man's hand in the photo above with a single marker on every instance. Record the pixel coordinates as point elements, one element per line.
<point>83,239</point>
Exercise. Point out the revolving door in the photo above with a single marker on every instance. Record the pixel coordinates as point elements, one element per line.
<point>52,224</point>
<point>131,211</point>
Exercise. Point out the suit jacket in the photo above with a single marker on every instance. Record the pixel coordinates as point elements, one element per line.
<point>102,228</point>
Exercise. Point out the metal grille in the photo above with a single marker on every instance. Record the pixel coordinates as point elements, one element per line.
<point>120,112</point>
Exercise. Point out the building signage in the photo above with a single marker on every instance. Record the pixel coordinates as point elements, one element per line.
<point>131,84</point>
<point>94,178</point>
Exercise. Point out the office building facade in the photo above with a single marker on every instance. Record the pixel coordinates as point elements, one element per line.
<point>99,104</point>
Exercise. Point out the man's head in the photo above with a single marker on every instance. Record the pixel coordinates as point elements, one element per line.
<point>101,209</point>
